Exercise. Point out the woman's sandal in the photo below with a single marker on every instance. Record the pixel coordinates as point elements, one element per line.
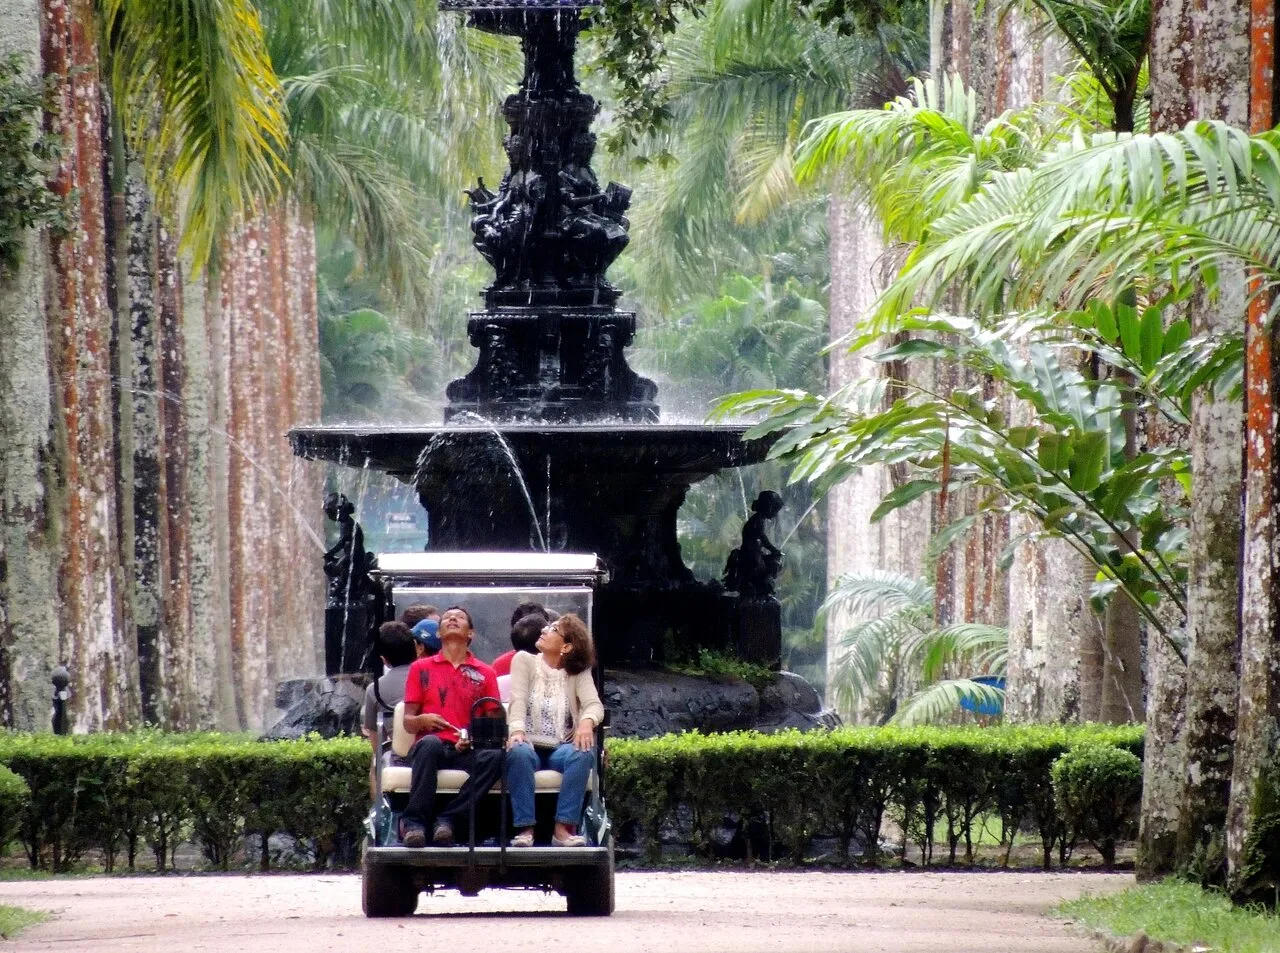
<point>524,839</point>
<point>573,840</point>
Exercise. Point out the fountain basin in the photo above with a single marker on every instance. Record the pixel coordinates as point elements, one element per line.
<point>614,490</point>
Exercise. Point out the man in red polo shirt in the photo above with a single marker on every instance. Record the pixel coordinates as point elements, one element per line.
<point>438,694</point>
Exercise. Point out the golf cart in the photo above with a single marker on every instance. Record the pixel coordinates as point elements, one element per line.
<point>489,586</point>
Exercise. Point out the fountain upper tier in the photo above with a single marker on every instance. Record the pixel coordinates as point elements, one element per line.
<point>550,340</point>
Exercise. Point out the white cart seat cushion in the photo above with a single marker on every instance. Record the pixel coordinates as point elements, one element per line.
<point>401,738</point>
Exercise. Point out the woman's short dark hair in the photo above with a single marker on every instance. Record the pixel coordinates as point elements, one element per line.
<point>575,632</point>
<point>395,643</point>
<point>525,632</point>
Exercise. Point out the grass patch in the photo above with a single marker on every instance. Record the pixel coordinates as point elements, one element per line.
<point>1182,913</point>
<point>13,920</point>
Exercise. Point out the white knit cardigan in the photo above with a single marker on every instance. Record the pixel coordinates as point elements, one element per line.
<point>584,700</point>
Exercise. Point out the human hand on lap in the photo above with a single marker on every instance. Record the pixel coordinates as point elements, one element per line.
<point>584,736</point>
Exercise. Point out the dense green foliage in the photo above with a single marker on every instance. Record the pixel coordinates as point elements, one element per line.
<point>898,664</point>
<point>15,798</point>
<point>634,38</point>
<point>1067,255</point>
<point>26,157</point>
<point>1174,911</point>
<point>112,795</point>
<point>1098,789</point>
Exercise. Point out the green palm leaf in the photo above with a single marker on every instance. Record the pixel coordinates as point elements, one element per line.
<point>201,101</point>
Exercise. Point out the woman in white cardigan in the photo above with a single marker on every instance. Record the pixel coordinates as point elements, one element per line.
<point>552,725</point>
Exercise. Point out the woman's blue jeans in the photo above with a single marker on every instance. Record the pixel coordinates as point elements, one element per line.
<point>574,767</point>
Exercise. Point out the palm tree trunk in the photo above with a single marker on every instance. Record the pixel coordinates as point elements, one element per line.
<point>271,383</point>
<point>1258,717</point>
<point>1221,84</point>
<point>1172,76</point>
<point>28,553</point>
<point>103,666</point>
<point>199,646</point>
<point>145,487</point>
<point>1121,700</point>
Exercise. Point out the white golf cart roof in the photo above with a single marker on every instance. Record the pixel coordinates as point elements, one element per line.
<point>492,568</point>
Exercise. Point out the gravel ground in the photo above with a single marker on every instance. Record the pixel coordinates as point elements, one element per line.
<point>693,912</point>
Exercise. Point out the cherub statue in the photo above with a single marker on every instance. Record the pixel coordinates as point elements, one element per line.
<point>752,569</point>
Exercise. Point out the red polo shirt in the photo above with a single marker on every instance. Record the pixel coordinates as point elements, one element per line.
<point>442,688</point>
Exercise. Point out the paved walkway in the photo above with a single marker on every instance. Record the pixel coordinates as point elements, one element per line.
<point>696,912</point>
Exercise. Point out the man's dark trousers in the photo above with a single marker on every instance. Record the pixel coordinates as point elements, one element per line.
<point>430,755</point>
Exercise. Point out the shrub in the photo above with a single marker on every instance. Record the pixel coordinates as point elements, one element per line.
<point>15,798</point>
<point>1098,789</point>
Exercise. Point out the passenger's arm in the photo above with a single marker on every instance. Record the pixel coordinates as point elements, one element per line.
<point>418,722</point>
<point>519,697</point>
<point>591,711</point>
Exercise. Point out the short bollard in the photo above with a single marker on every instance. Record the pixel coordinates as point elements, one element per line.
<point>61,679</point>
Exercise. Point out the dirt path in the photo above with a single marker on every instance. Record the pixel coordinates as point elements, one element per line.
<point>701,912</point>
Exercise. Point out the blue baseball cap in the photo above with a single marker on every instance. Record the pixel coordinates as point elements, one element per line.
<point>427,633</point>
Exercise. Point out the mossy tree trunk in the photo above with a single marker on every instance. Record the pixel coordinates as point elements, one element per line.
<point>28,539</point>
<point>1253,817</point>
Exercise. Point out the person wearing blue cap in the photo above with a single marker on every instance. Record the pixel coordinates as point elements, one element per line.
<point>426,637</point>
<point>426,643</point>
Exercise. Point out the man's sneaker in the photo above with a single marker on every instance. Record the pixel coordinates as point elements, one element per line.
<point>412,835</point>
<point>442,836</point>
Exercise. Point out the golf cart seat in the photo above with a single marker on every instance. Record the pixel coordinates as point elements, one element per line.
<point>396,778</point>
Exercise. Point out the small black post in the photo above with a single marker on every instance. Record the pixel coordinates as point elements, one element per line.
<point>61,679</point>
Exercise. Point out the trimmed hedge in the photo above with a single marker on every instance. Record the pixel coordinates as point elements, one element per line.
<point>120,793</point>
<point>116,795</point>
<point>15,798</point>
<point>845,783</point>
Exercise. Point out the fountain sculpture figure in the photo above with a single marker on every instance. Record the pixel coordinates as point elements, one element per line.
<point>552,412</point>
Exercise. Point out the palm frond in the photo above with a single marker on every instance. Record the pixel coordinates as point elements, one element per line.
<point>941,700</point>
<point>879,591</point>
<point>200,99</point>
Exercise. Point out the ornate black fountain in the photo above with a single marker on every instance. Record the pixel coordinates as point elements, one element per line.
<point>552,441</point>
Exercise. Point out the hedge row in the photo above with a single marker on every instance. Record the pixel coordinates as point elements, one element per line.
<point>845,784</point>
<point>116,795</point>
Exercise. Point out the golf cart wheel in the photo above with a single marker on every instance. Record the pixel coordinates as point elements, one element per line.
<point>590,891</point>
<point>387,891</point>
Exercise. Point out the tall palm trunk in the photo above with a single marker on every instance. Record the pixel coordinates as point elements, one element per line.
<point>28,554</point>
<point>1255,801</point>
<point>1221,84</point>
<point>1172,75</point>
<point>269,332</point>
<point>139,326</point>
<point>103,664</point>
